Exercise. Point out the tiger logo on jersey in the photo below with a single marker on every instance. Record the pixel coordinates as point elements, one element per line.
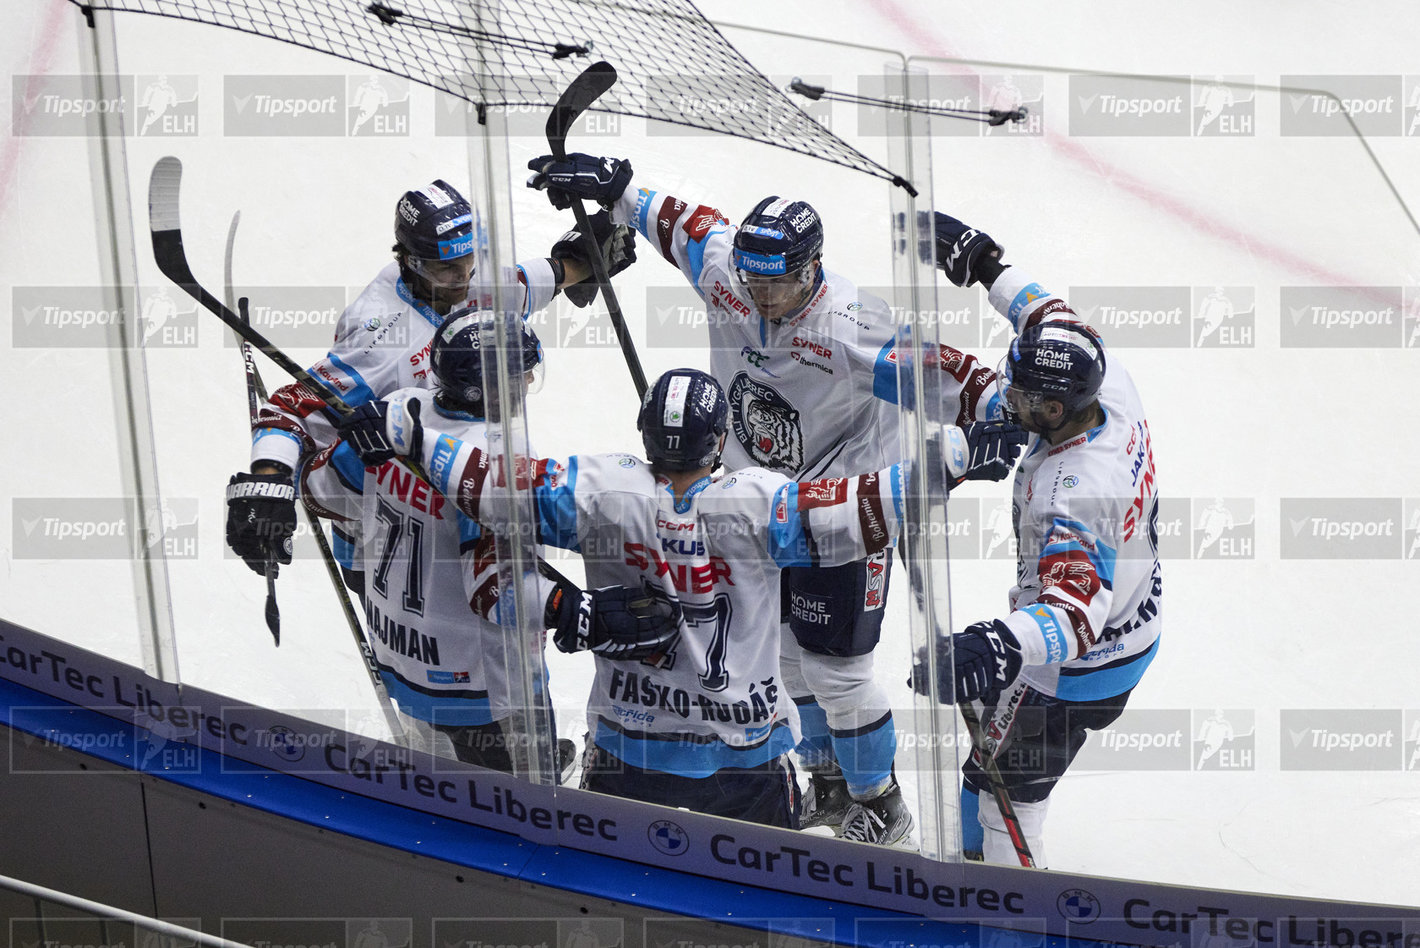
<point>766,425</point>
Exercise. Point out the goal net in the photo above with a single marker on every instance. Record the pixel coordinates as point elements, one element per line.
<point>675,66</point>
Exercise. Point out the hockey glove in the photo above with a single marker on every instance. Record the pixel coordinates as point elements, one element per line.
<point>261,517</point>
<point>983,451</point>
<point>983,659</point>
<point>963,252</point>
<point>616,622</point>
<point>580,176</point>
<point>616,243</point>
<point>379,430</point>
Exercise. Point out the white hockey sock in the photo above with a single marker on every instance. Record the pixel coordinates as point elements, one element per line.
<point>997,846</point>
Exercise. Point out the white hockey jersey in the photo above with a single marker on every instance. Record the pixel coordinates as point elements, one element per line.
<point>716,701</point>
<point>431,589</point>
<point>382,343</point>
<point>1086,604</point>
<point>810,396</point>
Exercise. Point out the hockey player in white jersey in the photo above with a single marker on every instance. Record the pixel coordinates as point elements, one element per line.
<point>707,724</point>
<point>431,600</point>
<point>382,343</point>
<point>804,356</point>
<point>1083,621</point>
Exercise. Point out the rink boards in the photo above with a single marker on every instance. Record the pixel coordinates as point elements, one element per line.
<point>260,825</point>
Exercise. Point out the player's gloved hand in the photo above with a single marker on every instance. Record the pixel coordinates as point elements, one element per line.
<point>963,250</point>
<point>982,451</point>
<point>616,622</point>
<point>580,176</point>
<point>615,243</point>
<point>379,430</point>
<point>261,517</point>
<point>985,658</point>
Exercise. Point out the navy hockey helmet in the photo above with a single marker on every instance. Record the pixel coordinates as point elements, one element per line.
<point>458,353</point>
<point>1054,360</point>
<point>434,223</point>
<point>774,253</point>
<point>683,419</point>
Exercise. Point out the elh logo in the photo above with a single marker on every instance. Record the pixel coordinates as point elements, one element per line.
<point>1007,92</point>
<point>1410,314</point>
<point>1224,106</point>
<point>167,106</point>
<point>1410,537</point>
<point>378,106</point>
<point>1224,528</point>
<point>1224,317</point>
<point>998,531</point>
<point>1225,740</point>
<point>166,323</point>
<point>1410,748</point>
<point>1410,116</point>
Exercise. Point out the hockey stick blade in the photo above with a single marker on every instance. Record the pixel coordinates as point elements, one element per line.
<point>273,614</point>
<point>580,93</point>
<point>576,99</point>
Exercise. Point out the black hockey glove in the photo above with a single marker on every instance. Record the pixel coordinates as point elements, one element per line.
<point>616,622</point>
<point>964,253</point>
<point>261,517</point>
<point>984,659</point>
<point>616,243</point>
<point>991,448</point>
<point>580,176</point>
<point>379,430</point>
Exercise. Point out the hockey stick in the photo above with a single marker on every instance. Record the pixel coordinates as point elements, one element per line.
<point>576,99</point>
<point>164,186</point>
<point>998,785</point>
<point>273,613</point>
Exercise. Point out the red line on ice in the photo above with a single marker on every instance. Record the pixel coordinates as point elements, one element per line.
<point>38,67</point>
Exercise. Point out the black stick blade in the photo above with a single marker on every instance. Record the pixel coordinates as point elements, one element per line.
<point>576,99</point>
<point>273,614</point>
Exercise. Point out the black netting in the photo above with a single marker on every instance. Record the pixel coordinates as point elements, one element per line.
<point>674,65</point>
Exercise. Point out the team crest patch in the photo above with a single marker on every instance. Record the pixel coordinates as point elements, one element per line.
<point>766,425</point>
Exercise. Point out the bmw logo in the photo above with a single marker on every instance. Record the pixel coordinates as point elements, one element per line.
<point>1078,906</point>
<point>283,743</point>
<point>668,838</point>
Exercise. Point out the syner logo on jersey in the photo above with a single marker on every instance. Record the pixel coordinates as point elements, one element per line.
<point>766,425</point>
